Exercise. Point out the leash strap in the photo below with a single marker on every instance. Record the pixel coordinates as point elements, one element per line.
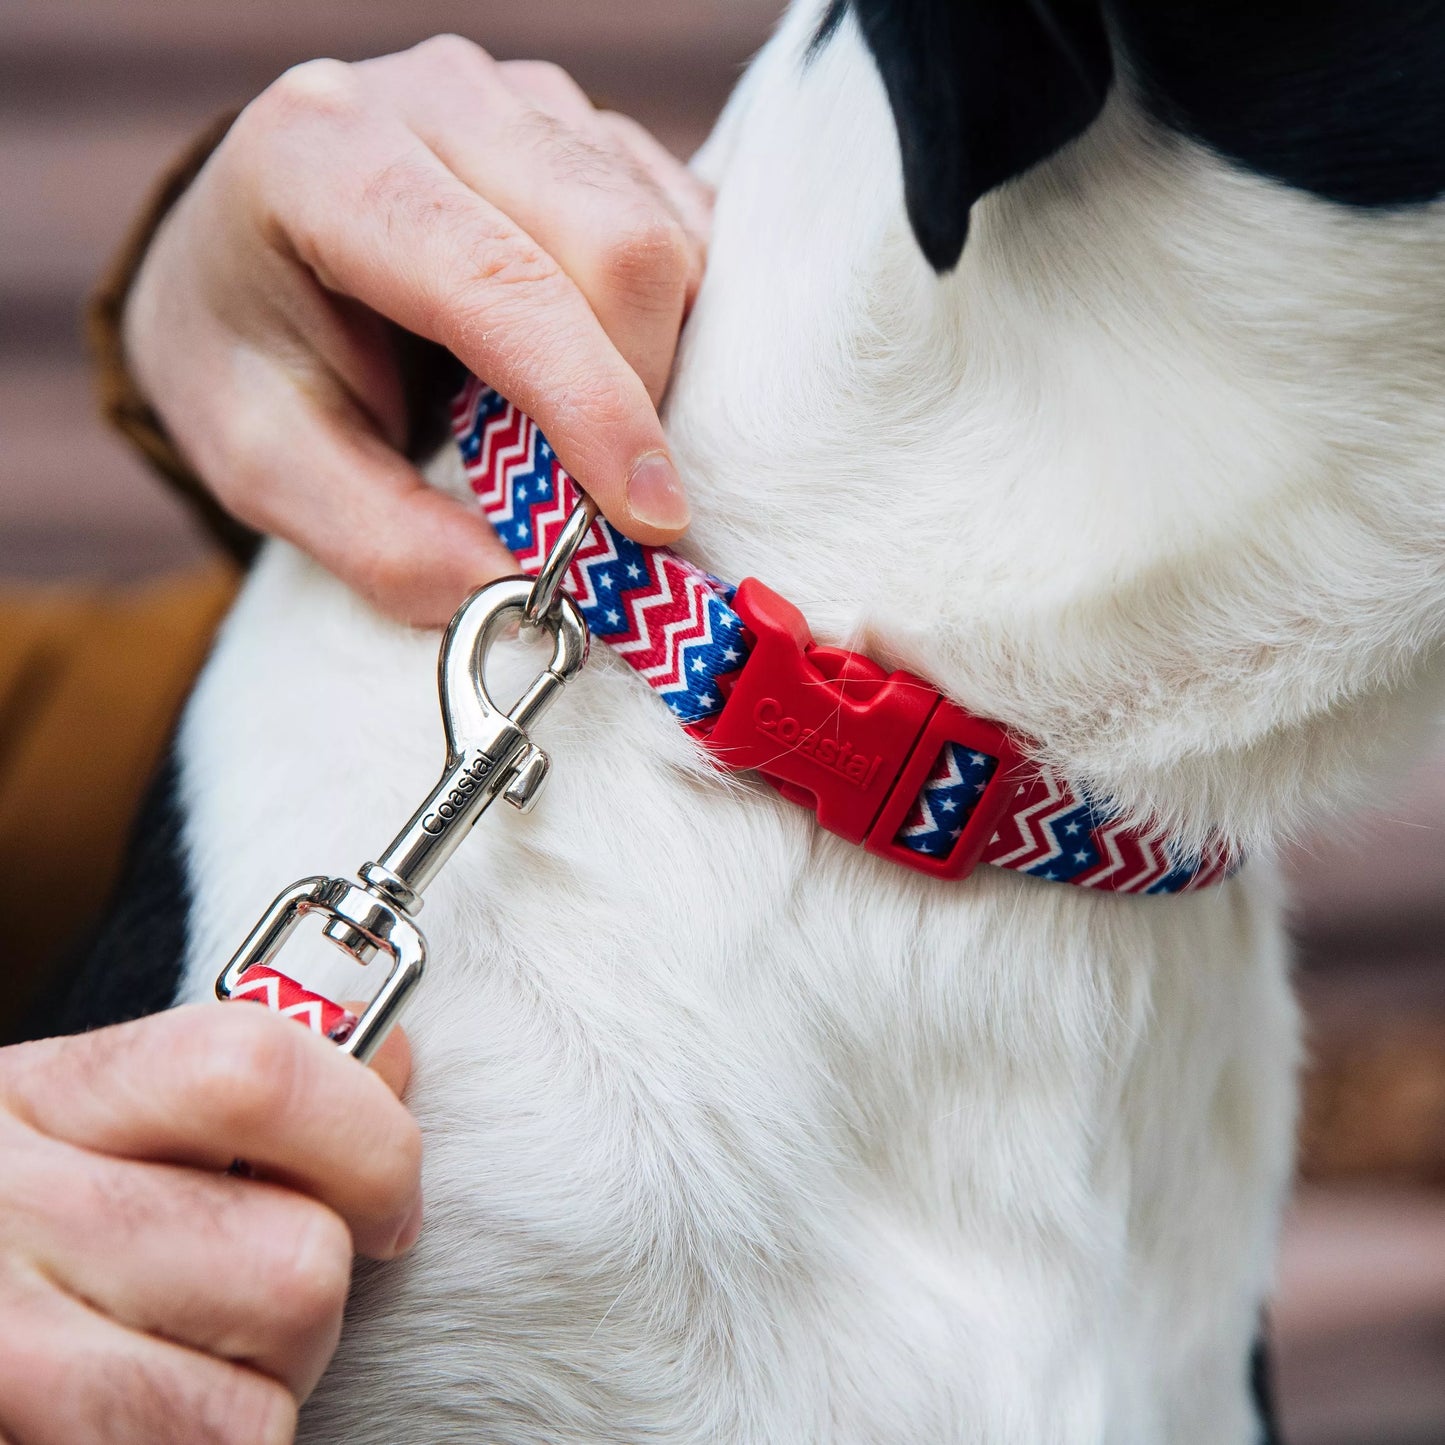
<point>283,995</point>
<point>683,631</point>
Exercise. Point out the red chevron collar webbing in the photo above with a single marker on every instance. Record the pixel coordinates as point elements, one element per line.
<point>883,759</point>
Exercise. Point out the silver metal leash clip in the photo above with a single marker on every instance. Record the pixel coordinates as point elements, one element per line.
<point>490,754</point>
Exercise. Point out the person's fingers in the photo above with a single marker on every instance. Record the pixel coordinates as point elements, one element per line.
<point>364,512</point>
<point>207,1085</point>
<point>585,204</point>
<point>68,1375</point>
<point>548,87</point>
<point>238,1268</point>
<point>295,417</point>
<point>691,196</point>
<point>392,1061</point>
<point>399,232</point>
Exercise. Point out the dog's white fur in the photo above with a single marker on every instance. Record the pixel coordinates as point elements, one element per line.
<point>735,1133</point>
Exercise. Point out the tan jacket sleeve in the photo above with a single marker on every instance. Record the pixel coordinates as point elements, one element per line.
<point>122,402</point>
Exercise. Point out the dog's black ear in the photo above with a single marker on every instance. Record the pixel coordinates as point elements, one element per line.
<point>981,90</point>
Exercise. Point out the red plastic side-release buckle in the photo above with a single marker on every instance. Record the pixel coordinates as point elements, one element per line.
<point>831,730</point>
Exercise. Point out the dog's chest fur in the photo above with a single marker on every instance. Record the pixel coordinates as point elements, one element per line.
<point>736,1134</point>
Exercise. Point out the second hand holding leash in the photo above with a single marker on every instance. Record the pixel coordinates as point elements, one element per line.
<point>490,754</point>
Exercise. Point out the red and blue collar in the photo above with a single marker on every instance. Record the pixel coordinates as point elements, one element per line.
<point>883,759</point>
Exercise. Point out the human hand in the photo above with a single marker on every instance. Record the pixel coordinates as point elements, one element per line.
<point>486,206</point>
<point>146,1295</point>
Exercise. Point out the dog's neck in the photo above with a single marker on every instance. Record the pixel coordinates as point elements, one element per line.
<point>1133,477</point>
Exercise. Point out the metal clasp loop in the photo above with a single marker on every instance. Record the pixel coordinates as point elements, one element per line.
<point>559,560</point>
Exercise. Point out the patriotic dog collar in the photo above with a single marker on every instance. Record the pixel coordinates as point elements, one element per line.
<point>883,759</point>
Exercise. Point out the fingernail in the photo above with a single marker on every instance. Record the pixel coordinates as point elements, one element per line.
<point>410,1230</point>
<point>654,493</point>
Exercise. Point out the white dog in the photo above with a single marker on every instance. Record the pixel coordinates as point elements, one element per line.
<point>735,1132</point>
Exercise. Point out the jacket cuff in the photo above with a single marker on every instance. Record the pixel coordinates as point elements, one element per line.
<point>123,403</point>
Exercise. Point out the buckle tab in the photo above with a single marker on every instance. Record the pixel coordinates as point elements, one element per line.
<point>837,733</point>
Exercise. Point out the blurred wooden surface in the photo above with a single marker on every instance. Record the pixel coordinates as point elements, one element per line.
<point>96,95</point>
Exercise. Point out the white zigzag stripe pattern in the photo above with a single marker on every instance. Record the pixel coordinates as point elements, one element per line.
<point>1047,810</point>
<point>504,462</point>
<point>1154,863</point>
<point>930,822</point>
<point>677,634</point>
<point>681,594</point>
<point>267,991</point>
<point>598,551</point>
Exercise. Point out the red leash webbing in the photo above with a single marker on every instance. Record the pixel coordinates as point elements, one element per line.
<point>283,995</point>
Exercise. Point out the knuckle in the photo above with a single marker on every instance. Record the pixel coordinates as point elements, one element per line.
<point>405,188</point>
<point>520,265</point>
<point>543,76</point>
<point>648,256</point>
<point>617,120</point>
<point>245,1408</point>
<point>454,52</point>
<point>512,282</point>
<point>404,196</point>
<point>313,90</point>
<point>622,128</point>
<point>601,404</point>
<point>242,1066</point>
<point>314,1276</point>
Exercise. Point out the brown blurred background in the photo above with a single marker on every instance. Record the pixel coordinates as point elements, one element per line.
<point>97,95</point>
